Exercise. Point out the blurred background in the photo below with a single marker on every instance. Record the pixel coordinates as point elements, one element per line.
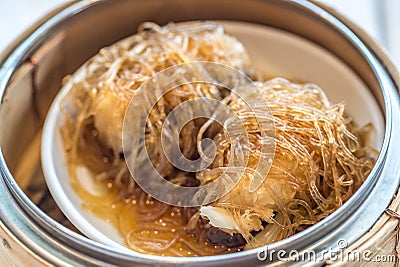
<point>377,17</point>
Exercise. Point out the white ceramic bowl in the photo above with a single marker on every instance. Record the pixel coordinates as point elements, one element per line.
<point>273,51</point>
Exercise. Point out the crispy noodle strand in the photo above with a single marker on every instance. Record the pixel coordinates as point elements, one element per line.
<point>321,157</point>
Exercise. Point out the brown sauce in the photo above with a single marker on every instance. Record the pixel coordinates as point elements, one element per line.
<point>147,225</point>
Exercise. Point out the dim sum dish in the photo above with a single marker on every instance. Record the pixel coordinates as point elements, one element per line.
<point>322,155</point>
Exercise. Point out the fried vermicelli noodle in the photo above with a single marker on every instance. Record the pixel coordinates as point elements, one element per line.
<point>321,157</point>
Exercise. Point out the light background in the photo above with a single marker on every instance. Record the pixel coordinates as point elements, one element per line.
<point>377,17</point>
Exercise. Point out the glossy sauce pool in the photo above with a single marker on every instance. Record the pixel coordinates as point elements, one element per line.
<point>139,219</point>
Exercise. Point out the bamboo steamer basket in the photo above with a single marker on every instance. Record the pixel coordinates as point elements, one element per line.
<point>33,230</point>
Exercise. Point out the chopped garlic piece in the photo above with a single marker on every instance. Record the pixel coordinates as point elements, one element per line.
<point>87,180</point>
<point>219,217</point>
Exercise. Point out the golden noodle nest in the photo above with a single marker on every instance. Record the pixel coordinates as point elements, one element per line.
<point>321,157</point>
